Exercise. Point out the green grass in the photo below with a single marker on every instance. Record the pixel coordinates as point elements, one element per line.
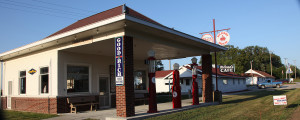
<point>168,98</point>
<point>297,80</point>
<point>250,106</point>
<point>15,115</point>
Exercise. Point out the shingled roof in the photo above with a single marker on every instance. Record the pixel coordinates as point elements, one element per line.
<point>159,74</point>
<point>123,9</point>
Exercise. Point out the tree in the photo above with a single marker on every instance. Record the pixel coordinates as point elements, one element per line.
<point>159,66</point>
<point>241,59</point>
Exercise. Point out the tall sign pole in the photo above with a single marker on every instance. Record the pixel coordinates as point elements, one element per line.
<point>285,67</point>
<point>295,70</point>
<point>215,41</point>
<point>215,56</point>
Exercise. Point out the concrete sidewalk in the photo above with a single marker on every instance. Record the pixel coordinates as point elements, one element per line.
<point>140,112</point>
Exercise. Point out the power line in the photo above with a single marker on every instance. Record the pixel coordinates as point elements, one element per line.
<point>31,6</point>
<point>64,6</point>
<point>21,10</point>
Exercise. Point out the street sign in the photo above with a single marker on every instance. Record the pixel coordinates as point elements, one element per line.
<point>280,100</point>
<point>226,68</point>
<point>208,37</point>
<point>223,38</point>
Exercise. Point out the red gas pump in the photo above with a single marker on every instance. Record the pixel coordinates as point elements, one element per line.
<point>152,89</point>
<point>176,90</point>
<point>195,84</point>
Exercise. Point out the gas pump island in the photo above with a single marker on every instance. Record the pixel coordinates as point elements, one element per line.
<point>152,89</point>
<point>176,90</point>
<point>195,84</point>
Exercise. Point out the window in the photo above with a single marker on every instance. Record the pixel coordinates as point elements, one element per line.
<point>44,77</point>
<point>139,80</point>
<point>225,82</point>
<point>233,81</point>
<point>168,83</point>
<point>187,81</point>
<point>23,82</point>
<point>181,81</point>
<point>77,79</point>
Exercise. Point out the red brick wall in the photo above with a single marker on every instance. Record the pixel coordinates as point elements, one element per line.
<point>3,103</point>
<point>125,94</point>
<point>207,78</point>
<point>37,105</point>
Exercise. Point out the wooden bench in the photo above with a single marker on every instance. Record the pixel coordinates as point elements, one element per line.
<point>141,97</point>
<point>82,101</point>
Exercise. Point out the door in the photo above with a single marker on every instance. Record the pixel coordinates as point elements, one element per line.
<point>9,94</point>
<point>104,92</point>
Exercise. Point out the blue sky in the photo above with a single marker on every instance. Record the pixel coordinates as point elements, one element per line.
<point>274,24</point>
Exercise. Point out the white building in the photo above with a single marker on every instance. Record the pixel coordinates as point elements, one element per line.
<point>253,77</point>
<point>227,82</point>
<point>79,60</point>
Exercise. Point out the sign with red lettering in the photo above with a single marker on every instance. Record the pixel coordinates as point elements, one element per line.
<point>280,100</point>
<point>208,37</point>
<point>223,38</point>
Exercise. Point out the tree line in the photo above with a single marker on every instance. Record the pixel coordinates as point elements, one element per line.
<point>260,57</point>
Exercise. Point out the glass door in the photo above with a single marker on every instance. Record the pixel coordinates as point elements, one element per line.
<point>104,92</point>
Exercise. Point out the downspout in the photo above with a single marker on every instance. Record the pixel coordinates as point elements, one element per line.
<point>1,83</point>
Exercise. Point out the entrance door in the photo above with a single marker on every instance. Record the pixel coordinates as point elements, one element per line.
<point>9,94</point>
<point>104,92</point>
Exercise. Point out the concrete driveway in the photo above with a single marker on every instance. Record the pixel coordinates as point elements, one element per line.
<point>140,112</point>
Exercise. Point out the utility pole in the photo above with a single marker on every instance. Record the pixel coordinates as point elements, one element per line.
<point>251,71</point>
<point>169,64</point>
<point>271,62</point>
<point>285,59</point>
<point>214,31</point>
<point>295,69</point>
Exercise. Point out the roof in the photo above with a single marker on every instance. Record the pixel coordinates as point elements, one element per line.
<point>104,15</point>
<point>264,74</point>
<point>250,75</point>
<point>116,18</point>
<point>159,74</point>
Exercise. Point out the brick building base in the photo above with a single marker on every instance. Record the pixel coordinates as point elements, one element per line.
<point>207,92</point>
<point>37,105</point>
<point>3,103</point>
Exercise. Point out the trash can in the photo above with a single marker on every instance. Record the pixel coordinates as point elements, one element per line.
<point>218,96</point>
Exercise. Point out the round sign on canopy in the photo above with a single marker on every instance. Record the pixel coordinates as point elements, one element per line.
<point>208,37</point>
<point>223,38</point>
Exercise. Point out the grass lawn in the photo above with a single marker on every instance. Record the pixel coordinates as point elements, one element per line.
<point>250,106</point>
<point>297,80</point>
<point>168,98</point>
<point>15,115</point>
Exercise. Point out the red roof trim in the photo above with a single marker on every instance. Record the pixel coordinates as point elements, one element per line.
<point>102,16</point>
<point>159,74</point>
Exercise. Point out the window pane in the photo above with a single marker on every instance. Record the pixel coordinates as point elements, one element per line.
<point>187,81</point>
<point>44,70</point>
<point>139,80</point>
<point>44,83</point>
<point>23,74</point>
<point>23,85</point>
<point>77,79</point>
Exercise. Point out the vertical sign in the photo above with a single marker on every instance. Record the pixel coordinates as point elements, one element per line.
<point>119,64</point>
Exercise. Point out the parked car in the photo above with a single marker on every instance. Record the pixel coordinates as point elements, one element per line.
<point>282,80</point>
<point>269,83</point>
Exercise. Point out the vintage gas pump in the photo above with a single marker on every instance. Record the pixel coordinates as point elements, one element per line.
<point>152,89</point>
<point>176,90</point>
<point>195,84</point>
